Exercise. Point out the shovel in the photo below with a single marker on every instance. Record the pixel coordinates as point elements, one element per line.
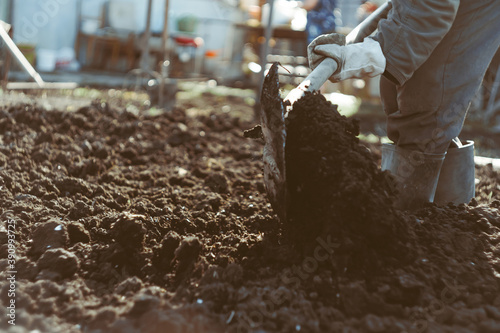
<point>273,112</point>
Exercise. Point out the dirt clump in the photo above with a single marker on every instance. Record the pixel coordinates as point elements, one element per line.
<point>49,235</point>
<point>59,261</point>
<point>129,231</point>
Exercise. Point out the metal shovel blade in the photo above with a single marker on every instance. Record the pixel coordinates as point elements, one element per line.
<point>273,130</point>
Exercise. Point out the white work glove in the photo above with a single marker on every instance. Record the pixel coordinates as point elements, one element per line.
<point>354,60</point>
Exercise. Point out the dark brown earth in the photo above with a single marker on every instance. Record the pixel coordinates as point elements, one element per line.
<point>140,223</point>
<point>334,183</point>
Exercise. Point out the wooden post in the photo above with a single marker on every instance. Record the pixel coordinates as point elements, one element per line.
<point>20,57</point>
<point>6,65</point>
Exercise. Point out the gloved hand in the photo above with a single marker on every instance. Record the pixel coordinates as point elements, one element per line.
<point>353,60</point>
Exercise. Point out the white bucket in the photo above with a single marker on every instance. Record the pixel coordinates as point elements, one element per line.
<point>46,60</point>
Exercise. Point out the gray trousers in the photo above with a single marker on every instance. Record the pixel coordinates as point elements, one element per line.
<point>428,110</point>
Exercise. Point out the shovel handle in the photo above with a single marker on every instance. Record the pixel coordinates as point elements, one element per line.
<point>314,80</point>
<point>319,75</point>
<point>369,24</point>
<point>328,66</point>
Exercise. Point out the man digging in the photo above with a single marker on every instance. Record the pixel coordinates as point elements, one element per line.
<point>432,55</point>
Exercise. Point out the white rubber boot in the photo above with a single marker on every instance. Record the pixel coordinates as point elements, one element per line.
<point>457,179</point>
<point>417,174</point>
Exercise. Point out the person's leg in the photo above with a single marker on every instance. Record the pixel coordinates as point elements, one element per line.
<point>427,112</point>
<point>431,106</point>
<point>388,96</point>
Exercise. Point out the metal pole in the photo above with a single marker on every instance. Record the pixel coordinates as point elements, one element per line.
<point>263,55</point>
<point>163,52</point>
<point>10,16</point>
<point>165,34</point>
<point>147,35</point>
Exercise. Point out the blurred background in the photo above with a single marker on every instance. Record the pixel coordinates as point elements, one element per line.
<point>115,43</point>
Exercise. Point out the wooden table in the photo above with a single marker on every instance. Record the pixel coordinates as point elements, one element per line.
<point>103,42</point>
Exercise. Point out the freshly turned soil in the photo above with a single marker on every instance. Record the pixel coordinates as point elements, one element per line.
<point>140,223</point>
<point>333,181</point>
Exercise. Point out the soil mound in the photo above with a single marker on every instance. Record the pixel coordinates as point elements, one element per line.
<point>333,181</point>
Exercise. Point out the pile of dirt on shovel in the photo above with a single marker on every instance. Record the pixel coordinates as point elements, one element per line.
<point>334,184</point>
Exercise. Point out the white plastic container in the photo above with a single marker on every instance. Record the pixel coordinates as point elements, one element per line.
<point>46,60</point>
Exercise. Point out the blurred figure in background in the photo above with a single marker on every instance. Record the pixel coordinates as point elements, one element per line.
<point>320,17</point>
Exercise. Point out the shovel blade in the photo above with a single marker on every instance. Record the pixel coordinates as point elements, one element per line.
<point>274,132</point>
